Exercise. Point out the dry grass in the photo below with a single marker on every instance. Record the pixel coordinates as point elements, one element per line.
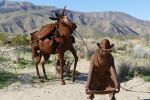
<point>131,59</point>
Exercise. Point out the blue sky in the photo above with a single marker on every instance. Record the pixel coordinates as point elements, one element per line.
<point>137,8</point>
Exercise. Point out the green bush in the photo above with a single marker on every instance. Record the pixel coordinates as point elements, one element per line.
<point>49,62</point>
<point>6,79</point>
<point>3,37</point>
<point>128,70</point>
<point>3,59</point>
<point>23,63</point>
<point>20,40</point>
<point>91,50</point>
<point>147,78</point>
<point>123,37</point>
<point>124,70</point>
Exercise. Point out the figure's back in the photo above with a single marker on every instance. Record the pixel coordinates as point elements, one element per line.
<point>102,59</point>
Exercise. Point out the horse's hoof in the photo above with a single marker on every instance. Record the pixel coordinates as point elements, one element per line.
<point>41,80</point>
<point>91,97</point>
<point>46,78</point>
<point>39,77</point>
<point>113,98</point>
<point>63,82</point>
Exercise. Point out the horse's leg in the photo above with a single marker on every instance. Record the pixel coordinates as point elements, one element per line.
<point>43,68</point>
<point>91,96</point>
<point>37,61</point>
<point>75,63</point>
<point>44,59</point>
<point>58,66</point>
<point>62,63</point>
<point>112,96</point>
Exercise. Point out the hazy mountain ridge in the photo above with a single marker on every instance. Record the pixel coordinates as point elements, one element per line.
<point>25,17</point>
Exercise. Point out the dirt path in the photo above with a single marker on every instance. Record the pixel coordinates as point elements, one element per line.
<point>52,90</point>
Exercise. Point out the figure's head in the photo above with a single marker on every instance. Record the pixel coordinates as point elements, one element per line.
<point>104,44</point>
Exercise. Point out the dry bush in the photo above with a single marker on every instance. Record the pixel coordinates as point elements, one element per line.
<point>7,68</point>
<point>141,51</point>
<point>4,37</point>
<point>6,60</point>
<point>20,40</point>
<point>87,50</point>
<point>126,45</point>
<point>91,50</point>
<point>128,69</point>
<point>69,60</point>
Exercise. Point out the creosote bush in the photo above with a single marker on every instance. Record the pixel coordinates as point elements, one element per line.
<point>141,51</point>
<point>128,70</point>
<point>6,79</point>
<point>20,40</point>
<point>4,37</point>
<point>23,63</point>
<point>7,69</point>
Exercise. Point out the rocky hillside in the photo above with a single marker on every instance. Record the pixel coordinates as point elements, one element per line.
<point>24,17</point>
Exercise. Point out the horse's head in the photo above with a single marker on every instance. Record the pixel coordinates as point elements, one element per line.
<point>65,25</point>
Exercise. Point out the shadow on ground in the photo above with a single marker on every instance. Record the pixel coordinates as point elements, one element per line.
<point>82,77</point>
<point>31,78</point>
<point>7,79</point>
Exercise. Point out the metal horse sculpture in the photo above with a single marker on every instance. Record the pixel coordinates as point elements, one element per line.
<point>59,33</point>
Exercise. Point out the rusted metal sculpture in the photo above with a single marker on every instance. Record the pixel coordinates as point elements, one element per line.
<point>55,38</point>
<point>102,77</point>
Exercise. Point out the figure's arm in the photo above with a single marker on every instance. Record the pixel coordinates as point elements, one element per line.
<point>89,76</point>
<point>114,77</point>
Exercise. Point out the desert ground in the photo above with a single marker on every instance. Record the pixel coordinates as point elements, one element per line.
<point>52,90</point>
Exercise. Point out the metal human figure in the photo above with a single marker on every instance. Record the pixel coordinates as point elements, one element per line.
<point>102,76</point>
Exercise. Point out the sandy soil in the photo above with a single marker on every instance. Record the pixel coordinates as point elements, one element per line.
<point>52,90</point>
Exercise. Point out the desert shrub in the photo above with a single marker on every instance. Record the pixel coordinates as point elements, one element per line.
<point>2,58</point>
<point>127,70</point>
<point>3,37</point>
<point>91,50</point>
<point>69,59</point>
<point>124,70</point>
<point>142,70</point>
<point>20,40</point>
<point>141,52</point>
<point>6,79</point>
<point>23,63</point>
<point>5,55</point>
<point>146,36</point>
<point>49,62</point>
<point>126,46</point>
<point>121,47</point>
<point>89,53</point>
<point>79,47</point>
<point>147,78</point>
<point>7,69</point>
<point>122,37</point>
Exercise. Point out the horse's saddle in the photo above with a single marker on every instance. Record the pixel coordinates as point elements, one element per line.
<point>47,31</point>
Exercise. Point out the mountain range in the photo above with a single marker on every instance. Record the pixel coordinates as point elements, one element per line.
<point>25,17</point>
